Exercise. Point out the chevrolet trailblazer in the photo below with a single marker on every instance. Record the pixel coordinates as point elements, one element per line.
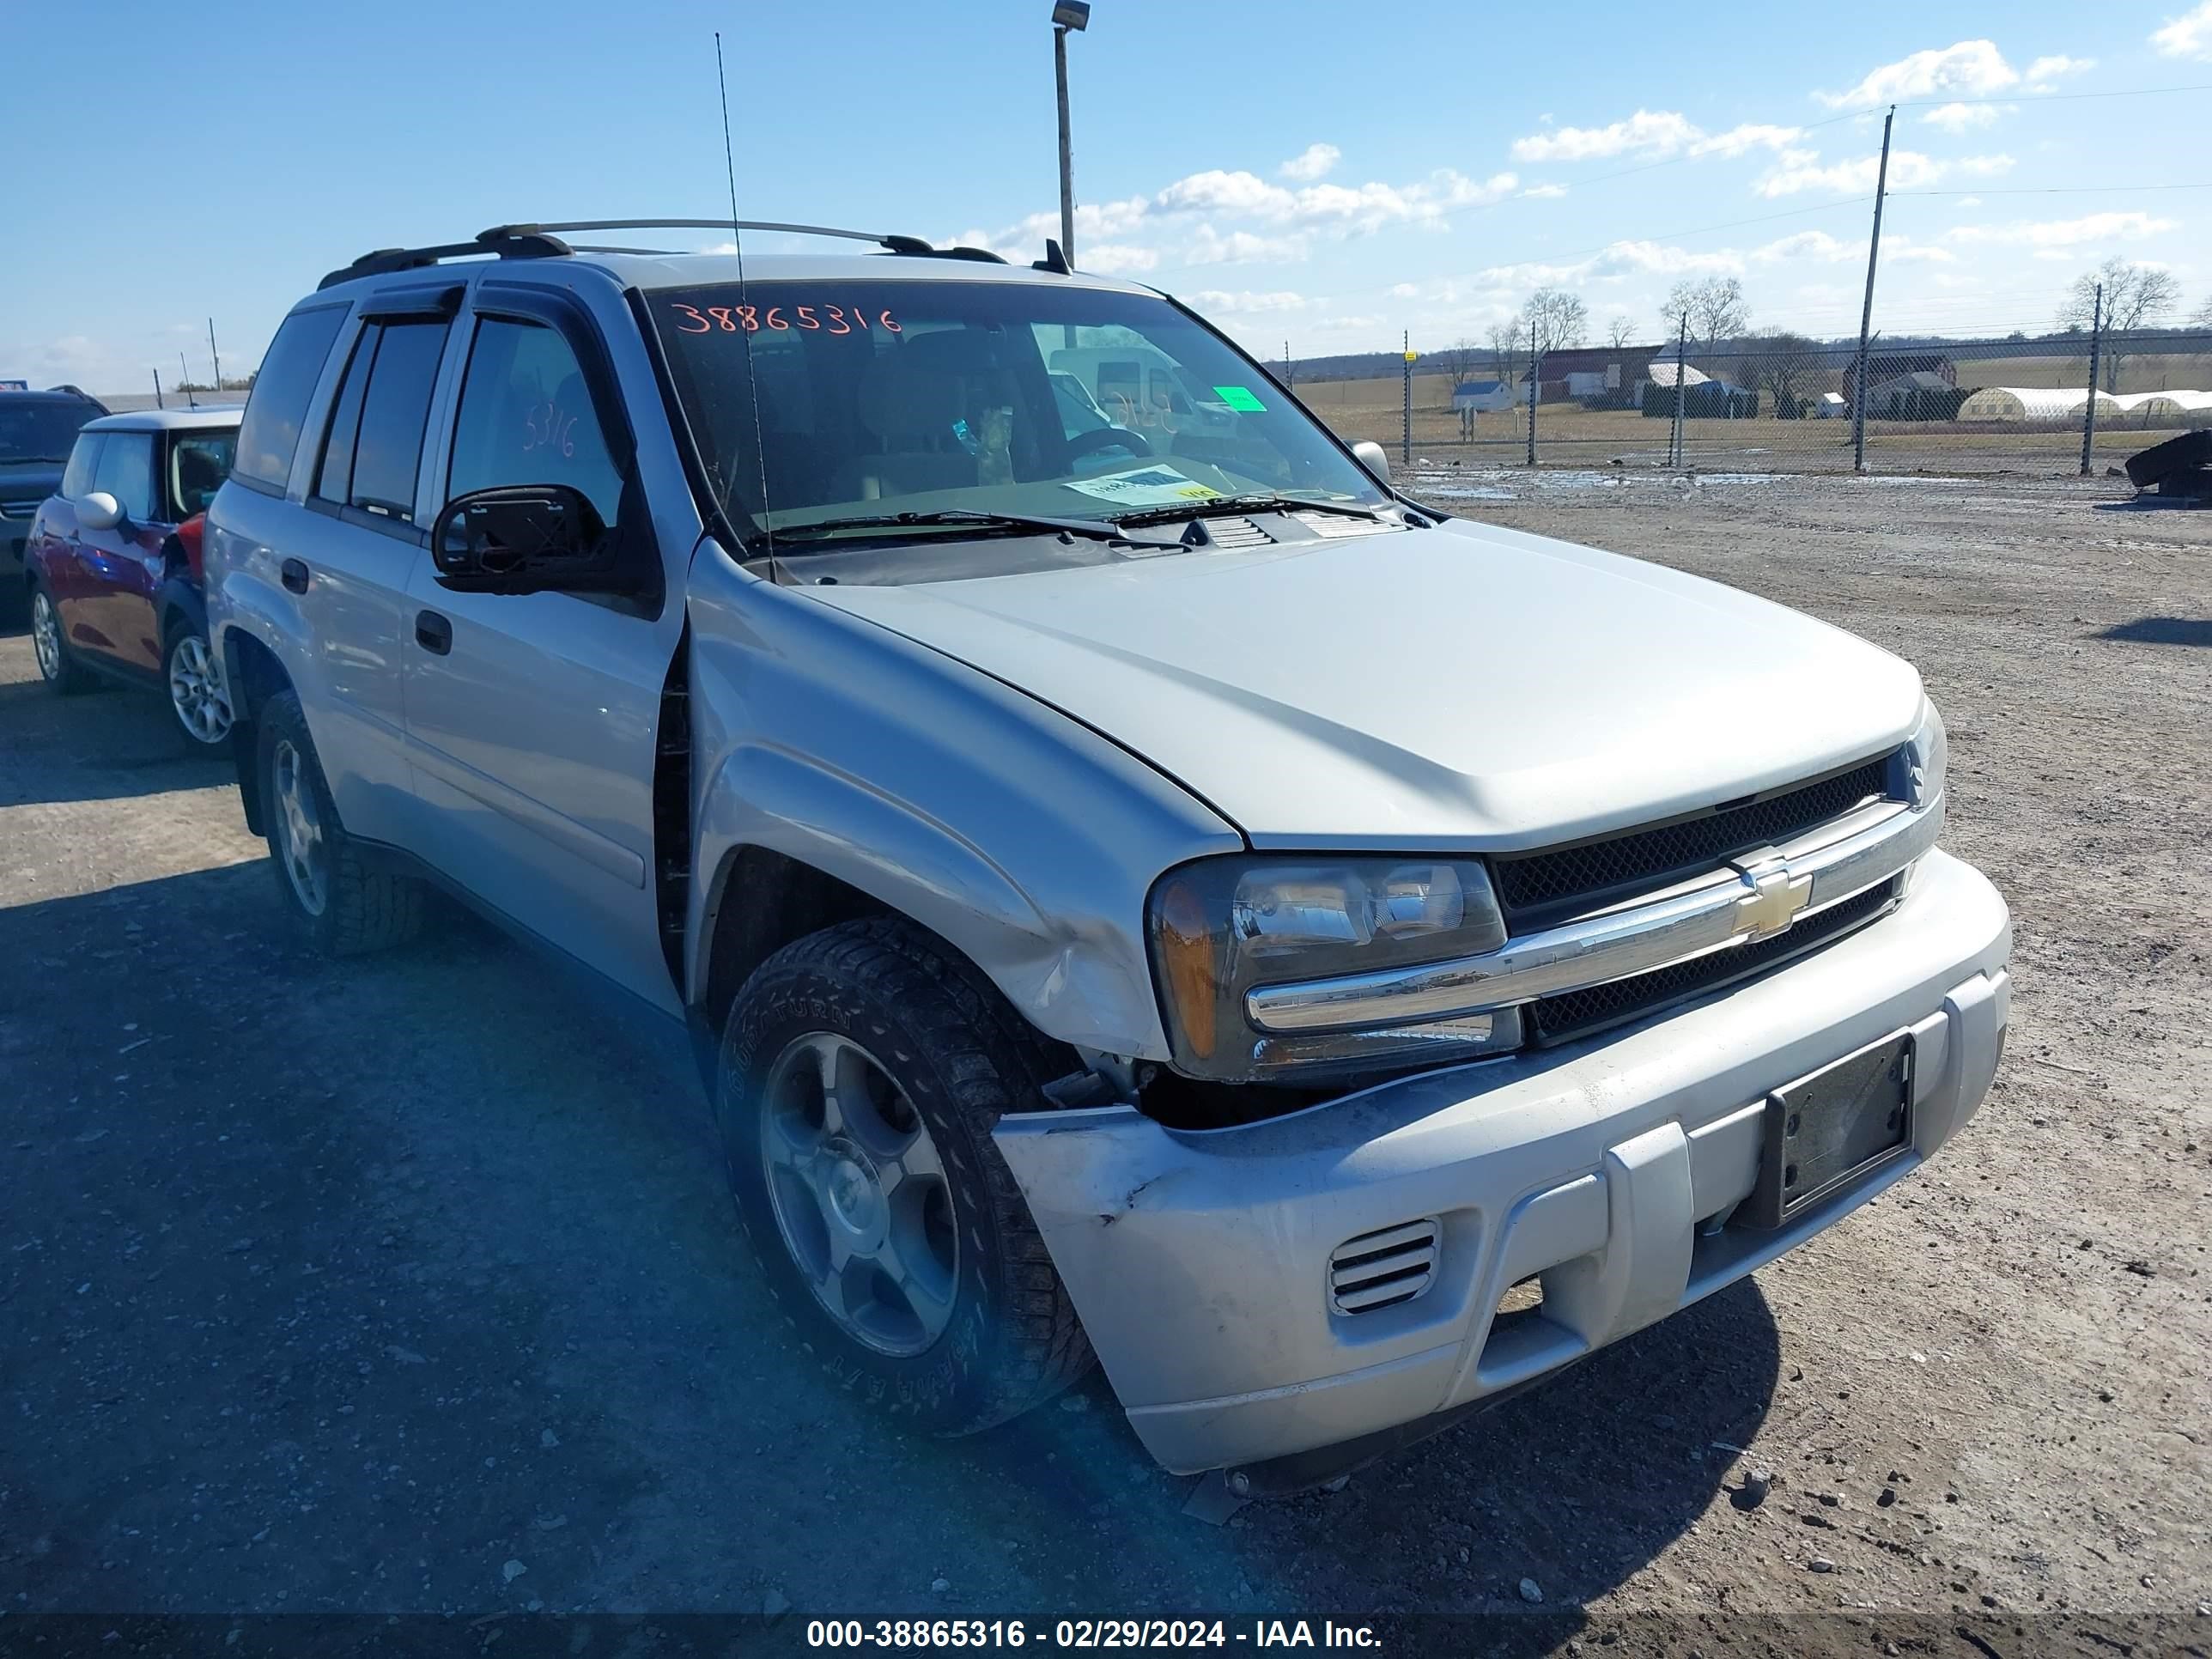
<point>1142,888</point>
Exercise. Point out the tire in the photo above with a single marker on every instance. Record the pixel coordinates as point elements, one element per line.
<point>198,696</point>
<point>57,666</point>
<point>950,1057</point>
<point>340,902</point>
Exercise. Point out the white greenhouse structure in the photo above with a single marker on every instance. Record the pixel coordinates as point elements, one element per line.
<point>2027,403</point>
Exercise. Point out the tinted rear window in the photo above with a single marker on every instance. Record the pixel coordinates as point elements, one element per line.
<point>270,431</point>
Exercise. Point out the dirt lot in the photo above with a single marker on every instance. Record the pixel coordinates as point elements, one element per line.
<point>409,1284</point>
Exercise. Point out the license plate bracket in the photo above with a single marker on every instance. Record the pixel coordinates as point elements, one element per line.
<point>1832,1127</point>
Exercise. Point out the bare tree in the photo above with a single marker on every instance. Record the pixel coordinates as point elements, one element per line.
<point>1505,340</point>
<point>2134,296</point>
<point>1554,319</point>
<point>2201,316</point>
<point>1460,359</point>
<point>1715,308</point>
<point>1620,331</point>
<point>1790,368</point>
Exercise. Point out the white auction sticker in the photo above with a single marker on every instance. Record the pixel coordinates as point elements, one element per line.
<point>1154,486</point>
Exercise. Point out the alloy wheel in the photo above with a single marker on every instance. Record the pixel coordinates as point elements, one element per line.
<point>860,1194</point>
<point>196,691</point>
<point>46,635</point>
<point>301,848</point>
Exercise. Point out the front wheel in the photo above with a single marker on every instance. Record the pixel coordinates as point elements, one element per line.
<point>197,695</point>
<point>862,1070</point>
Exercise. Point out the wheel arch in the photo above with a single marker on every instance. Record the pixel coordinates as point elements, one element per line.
<point>254,674</point>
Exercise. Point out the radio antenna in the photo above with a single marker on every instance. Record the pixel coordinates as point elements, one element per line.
<point>737,243</point>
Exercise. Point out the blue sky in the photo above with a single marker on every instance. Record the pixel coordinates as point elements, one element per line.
<point>1322,172</point>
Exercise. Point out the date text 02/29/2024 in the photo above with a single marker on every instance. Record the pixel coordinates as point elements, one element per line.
<point>1086,1633</point>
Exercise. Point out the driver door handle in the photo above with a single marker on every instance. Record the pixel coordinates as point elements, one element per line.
<point>293,575</point>
<point>434,633</point>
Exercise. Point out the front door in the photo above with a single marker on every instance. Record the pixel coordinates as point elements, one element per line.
<point>108,611</point>
<point>531,718</point>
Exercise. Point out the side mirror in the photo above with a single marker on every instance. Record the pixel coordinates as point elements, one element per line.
<point>1377,459</point>
<point>526,538</point>
<point>99,511</point>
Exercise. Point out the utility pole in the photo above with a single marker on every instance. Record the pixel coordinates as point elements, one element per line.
<point>158,403</point>
<point>1066,153</point>
<point>185,380</point>
<point>217,357</point>
<point>1681,375</point>
<point>1866,313</point>
<point>1405,432</point>
<point>2089,409</point>
<point>1289,379</point>
<point>1536,387</point>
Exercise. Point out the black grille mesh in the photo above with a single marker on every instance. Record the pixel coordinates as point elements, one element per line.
<point>1538,889</point>
<point>1577,1013</point>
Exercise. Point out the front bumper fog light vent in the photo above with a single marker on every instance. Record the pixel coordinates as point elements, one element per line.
<point>1382,1269</point>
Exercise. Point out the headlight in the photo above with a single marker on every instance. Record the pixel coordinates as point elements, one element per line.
<point>1928,754</point>
<point>1221,927</point>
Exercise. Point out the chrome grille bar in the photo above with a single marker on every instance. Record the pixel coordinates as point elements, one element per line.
<point>1753,898</point>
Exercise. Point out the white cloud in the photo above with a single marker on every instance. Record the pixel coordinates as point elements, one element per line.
<point>1660,133</point>
<point>1805,245</point>
<point>1974,68</point>
<point>1655,133</point>
<point>1918,253</point>
<point>1802,170</point>
<point>1345,209</point>
<point>1208,246</point>
<point>1314,161</point>
<point>1960,118</point>
<point>2055,233</point>
<point>2189,35</point>
<point>1750,136</point>
<point>2043,71</point>
<point>1983,167</point>
<point>1545,192</point>
<point>1246,303</point>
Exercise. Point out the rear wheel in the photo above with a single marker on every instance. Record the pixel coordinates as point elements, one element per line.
<point>862,1070</point>
<point>197,695</point>
<point>342,902</point>
<point>57,667</point>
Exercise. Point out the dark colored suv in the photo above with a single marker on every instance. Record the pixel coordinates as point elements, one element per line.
<point>36,431</point>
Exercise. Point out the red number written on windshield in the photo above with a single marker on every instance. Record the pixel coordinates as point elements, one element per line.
<point>820,317</point>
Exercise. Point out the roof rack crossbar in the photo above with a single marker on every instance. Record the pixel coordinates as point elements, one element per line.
<point>541,242</point>
<point>505,241</point>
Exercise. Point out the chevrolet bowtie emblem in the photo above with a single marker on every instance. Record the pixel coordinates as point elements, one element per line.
<point>1773,903</point>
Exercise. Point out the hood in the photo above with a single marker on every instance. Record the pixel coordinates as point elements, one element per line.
<point>1459,688</point>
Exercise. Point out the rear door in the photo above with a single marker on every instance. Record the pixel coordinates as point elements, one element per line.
<point>361,547</point>
<point>531,718</point>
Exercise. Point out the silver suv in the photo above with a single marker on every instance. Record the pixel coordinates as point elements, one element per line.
<point>1139,886</point>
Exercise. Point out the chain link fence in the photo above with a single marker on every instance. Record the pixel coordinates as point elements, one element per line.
<point>1786,403</point>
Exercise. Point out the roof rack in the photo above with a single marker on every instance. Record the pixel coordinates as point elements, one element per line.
<point>541,242</point>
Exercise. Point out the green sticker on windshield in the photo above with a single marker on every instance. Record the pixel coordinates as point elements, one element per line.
<point>1241,400</point>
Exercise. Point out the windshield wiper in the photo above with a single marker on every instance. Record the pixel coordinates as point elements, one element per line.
<point>1214,506</point>
<point>1099,529</point>
<point>34,460</point>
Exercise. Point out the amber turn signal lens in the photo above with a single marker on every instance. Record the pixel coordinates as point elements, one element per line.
<point>1186,951</point>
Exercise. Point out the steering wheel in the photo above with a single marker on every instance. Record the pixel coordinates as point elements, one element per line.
<point>1109,437</point>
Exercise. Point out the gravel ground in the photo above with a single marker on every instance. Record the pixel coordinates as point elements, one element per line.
<point>409,1284</point>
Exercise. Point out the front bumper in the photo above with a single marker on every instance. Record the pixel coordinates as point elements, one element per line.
<point>1199,1261</point>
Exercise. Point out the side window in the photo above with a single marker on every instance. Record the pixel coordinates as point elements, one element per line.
<point>198,463</point>
<point>526,418</point>
<point>125,470</point>
<point>375,451</point>
<point>83,462</point>
<point>278,405</point>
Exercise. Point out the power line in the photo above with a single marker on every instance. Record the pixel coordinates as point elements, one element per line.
<point>2042,97</point>
<point>2053,190</point>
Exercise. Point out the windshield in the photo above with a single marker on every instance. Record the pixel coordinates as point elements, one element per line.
<point>41,431</point>
<point>880,398</point>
